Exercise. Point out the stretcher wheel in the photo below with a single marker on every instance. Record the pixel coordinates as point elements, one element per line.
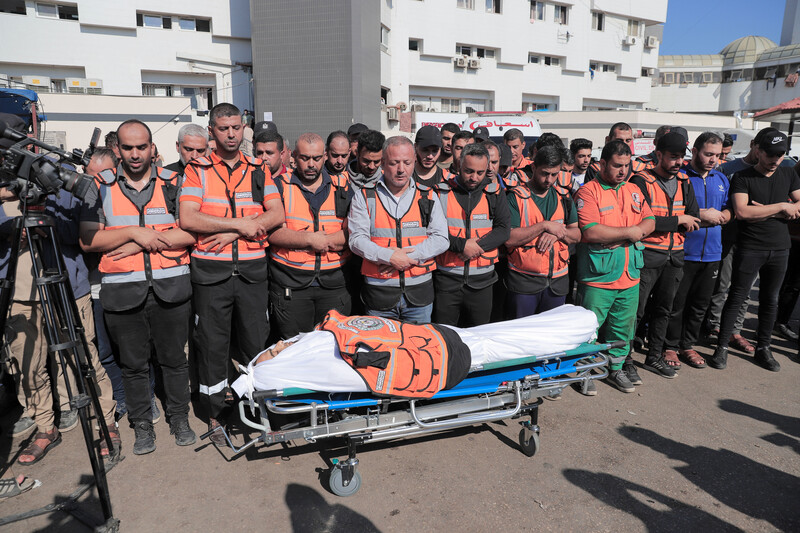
<point>337,483</point>
<point>528,442</point>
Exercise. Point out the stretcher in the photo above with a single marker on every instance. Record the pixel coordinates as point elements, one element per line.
<point>491,392</point>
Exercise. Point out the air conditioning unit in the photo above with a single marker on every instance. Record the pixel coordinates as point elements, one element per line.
<point>474,63</point>
<point>75,85</point>
<point>417,107</point>
<point>630,40</point>
<point>36,81</point>
<point>651,41</point>
<point>461,61</point>
<point>392,114</point>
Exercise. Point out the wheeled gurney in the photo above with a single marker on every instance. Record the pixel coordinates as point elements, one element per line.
<point>491,392</point>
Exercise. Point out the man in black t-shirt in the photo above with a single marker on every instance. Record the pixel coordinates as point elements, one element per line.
<point>764,197</point>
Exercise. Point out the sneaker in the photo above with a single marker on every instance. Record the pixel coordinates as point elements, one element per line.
<point>23,427</point>
<point>68,421</point>
<point>632,373</point>
<point>184,436</point>
<point>785,331</point>
<point>218,437</point>
<point>588,388</point>
<point>764,359</point>
<point>145,437</point>
<point>620,380</point>
<point>155,411</point>
<point>719,359</point>
<point>660,367</point>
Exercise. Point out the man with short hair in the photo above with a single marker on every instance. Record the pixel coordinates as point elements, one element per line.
<point>759,197</point>
<point>543,225</point>
<point>446,155</point>
<point>727,147</point>
<point>515,140</point>
<point>354,134</point>
<point>398,227</point>
<point>230,201</point>
<point>613,219</point>
<point>427,145</point>
<point>478,223</point>
<point>146,287</point>
<point>309,251</point>
<point>702,249</point>
<point>364,169</point>
<point>493,172</point>
<point>671,198</point>
<point>192,143</point>
<point>582,153</point>
<point>337,154</point>
<point>269,148</point>
<point>460,140</point>
<point>621,131</point>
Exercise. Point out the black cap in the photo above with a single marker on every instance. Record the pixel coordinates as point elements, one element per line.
<point>428,136</point>
<point>774,143</point>
<point>672,142</point>
<point>266,126</point>
<point>355,130</point>
<point>682,132</point>
<point>12,122</point>
<point>481,133</point>
<point>505,155</point>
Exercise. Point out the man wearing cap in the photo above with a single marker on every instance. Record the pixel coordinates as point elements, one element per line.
<point>480,134</point>
<point>364,170</point>
<point>353,134</point>
<point>650,159</point>
<point>478,224</point>
<point>671,198</point>
<point>759,199</point>
<point>446,155</point>
<point>427,145</point>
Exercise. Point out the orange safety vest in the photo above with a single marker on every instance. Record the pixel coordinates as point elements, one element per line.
<point>527,259</point>
<point>393,358</point>
<point>479,224</point>
<point>232,199</point>
<point>663,206</point>
<point>387,231</point>
<point>300,217</point>
<point>157,214</point>
<point>564,183</point>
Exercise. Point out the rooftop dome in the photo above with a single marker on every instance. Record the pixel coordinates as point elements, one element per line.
<point>746,49</point>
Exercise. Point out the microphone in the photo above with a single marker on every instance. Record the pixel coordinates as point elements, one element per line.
<point>10,133</point>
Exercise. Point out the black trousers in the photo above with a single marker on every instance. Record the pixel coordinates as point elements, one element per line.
<point>298,310</point>
<point>747,264</point>
<point>691,303</point>
<point>662,282</point>
<point>790,289</point>
<point>158,325</point>
<point>462,306</point>
<point>232,307</point>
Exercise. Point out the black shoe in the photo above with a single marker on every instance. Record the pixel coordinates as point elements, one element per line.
<point>184,436</point>
<point>764,359</point>
<point>720,358</point>
<point>639,344</point>
<point>632,373</point>
<point>145,437</point>
<point>785,331</point>
<point>620,380</point>
<point>660,367</point>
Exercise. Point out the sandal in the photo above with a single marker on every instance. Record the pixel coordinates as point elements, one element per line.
<point>671,357</point>
<point>51,439</point>
<point>740,343</point>
<point>693,358</point>
<point>15,486</point>
<point>116,442</point>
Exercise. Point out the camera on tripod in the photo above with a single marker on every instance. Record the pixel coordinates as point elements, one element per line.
<point>32,176</point>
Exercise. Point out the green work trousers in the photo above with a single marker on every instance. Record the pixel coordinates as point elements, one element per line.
<point>616,314</point>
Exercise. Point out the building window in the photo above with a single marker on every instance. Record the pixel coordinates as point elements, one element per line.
<point>57,11</point>
<point>708,77</point>
<point>384,37</point>
<point>560,14</point>
<point>149,89</point>
<point>669,78</point>
<point>485,52</point>
<point>463,50</point>
<point>153,21</point>
<point>598,21</point>
<point>58,86</point>
<point>187,24</point>
<point>537,10</point>
<point>15,7</point>
<point>413,44</point>
<point>688,77</point>
<point>533,58</point>
<point>451,105</point>
<point>465,4</point>
<point>493,6</point>
<point>602,67</point>
<point>534,106</point>
<point>634,27</point>
<point>645,72</point>
<point>552,61</point>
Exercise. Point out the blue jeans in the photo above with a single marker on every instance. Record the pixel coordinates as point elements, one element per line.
<point>405,312</point>
<point>532,304</point>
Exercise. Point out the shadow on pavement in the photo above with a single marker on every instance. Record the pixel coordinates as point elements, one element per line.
<point>310,512</point>
<point>657,511</point>
<point>787,424</point>
<point>754,489</point>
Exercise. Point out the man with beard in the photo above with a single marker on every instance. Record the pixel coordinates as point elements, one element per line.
<point>310,249</point>
<point>427,145</point>
<point>446,155</point>
<point>460,140</point>
<point>515,140</point>
<point>192,143</point>
<point>671,198</point>
<point>364,170</point>
<point>353,134</point>
<point>337,153</point>
<point>478,223</point>
<point>269,148</point>
<point>582,152</point>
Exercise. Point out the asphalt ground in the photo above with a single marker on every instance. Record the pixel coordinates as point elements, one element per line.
<point>710,450</point>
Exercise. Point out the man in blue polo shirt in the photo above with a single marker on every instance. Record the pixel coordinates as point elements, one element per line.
<point>702,250</point>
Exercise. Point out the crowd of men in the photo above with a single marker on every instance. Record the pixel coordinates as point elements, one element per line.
<point>234,250</point>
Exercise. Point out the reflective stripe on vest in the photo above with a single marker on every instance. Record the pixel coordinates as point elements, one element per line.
<point>386,231</point>
<point>660,204</point>
<point>299,217</point>
<point>527,259</point>
<point>120,212</point>
<point>393,358</point>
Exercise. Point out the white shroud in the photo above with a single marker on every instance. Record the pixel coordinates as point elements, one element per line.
<point>313,361</point>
